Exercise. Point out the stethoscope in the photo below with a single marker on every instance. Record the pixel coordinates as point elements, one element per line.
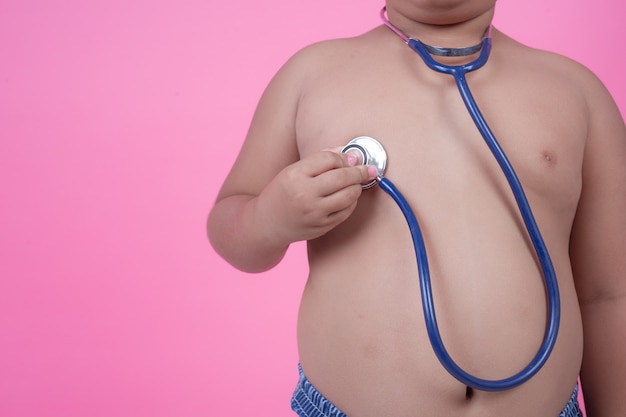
<point>371,152</point>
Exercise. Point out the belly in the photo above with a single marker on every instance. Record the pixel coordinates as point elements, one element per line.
<point>362,337</point>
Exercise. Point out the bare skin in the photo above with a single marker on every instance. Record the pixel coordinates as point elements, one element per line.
<point>361,334</point>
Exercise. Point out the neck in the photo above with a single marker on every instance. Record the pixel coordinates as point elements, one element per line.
<point>456,33</point>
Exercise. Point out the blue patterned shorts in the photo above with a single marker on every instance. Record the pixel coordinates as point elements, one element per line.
<point>308,402</point>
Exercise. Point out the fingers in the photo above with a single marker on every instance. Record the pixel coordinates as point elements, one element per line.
<point>342,200</point>
<point>319,192</point>
<point>340,188</point>
<point>333,181</point>
<point>333,171</point>
<point>320,162</point>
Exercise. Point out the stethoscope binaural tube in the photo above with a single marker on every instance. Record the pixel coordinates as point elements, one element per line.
<point>372,151</point>
<point>551,284</point>
<point>374,154</point>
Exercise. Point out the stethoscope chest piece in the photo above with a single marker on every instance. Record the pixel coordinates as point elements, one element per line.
<point>368,151</point>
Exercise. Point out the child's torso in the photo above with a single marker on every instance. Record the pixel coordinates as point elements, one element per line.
<point>362,337</point>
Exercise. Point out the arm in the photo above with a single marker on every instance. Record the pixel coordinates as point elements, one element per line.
<point>271,197</point>
<point>598,253</point>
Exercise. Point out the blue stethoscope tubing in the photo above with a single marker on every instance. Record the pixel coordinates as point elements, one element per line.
<point>550,279</point>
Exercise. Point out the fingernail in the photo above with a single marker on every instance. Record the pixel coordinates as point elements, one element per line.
<point>372,171</point>
<point>351,160</point>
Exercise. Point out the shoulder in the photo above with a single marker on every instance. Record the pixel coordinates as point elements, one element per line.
<point>322,64</point>
<point>559,80</point>
<point>548,65</point>
<point>328,54</point>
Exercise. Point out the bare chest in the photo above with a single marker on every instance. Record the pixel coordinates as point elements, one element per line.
<point>434,145</point>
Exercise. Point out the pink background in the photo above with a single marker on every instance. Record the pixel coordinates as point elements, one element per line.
<point>118,121</point>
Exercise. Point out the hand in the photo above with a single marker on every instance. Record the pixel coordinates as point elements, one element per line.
<point>312,196</point>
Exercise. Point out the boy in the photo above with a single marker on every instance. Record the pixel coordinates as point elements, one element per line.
<point>362,341</point>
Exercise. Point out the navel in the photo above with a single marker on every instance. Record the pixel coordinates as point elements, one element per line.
<point>469,393</point>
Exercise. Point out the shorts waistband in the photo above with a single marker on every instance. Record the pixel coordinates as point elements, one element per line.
<point>308,402</point>
<point>572,408</point>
